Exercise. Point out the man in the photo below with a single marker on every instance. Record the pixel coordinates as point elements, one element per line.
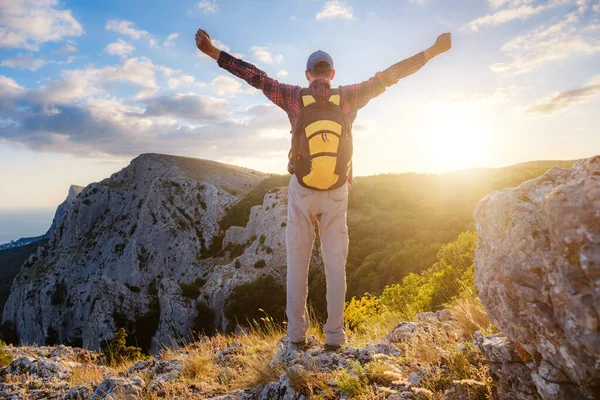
<point>321,200</point>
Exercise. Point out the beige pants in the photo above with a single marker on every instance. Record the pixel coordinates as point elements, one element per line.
<point>328,210</point>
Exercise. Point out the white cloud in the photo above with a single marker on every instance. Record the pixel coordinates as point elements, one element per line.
<point>226,86</point>
<point>28,24</point>
<point>178,79</point>
<point>520,10</point>
<point>283,72</point>
<point>22,61</point>
<point>504,16</point>
<point>596,7</point>
<point>170,40</point>
<point>102,125</point>
<point>263,54</point>
<point>208,6</point>
<point>119,48</point>
<point>335,9</point>
<point>78,84</point>
<point>511,3</point>
<point>419,2</point>
<point>565,99</point>
<point>559,41</point>
<point>67,48</point>
<point>127,28</point>
<point>189,106</point>
<point>293,18</point>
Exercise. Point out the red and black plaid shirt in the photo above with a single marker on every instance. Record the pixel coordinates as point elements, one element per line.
<point>352,97</point>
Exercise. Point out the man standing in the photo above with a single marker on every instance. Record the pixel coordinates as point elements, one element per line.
<point>320,161</point>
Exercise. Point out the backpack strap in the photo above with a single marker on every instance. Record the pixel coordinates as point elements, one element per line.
<point>308,99</point>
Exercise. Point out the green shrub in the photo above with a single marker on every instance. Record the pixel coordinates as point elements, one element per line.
<point>246,301</point>
<point>145,325</point>
<point>116,352</point>
<point>353,383</point>
<point>190,291</point>
<point>359,310</point>
<point>204,322</point>
<point>260,264</point>
<point>239,213</point>
<point>59,294</point>
<point>441,283</point>
<point>134,289</point>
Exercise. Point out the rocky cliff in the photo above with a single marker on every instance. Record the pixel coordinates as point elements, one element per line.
<point>121,251</point>
<point>537,271</point>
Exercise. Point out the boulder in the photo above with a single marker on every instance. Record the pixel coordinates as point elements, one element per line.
<point>537,271</point>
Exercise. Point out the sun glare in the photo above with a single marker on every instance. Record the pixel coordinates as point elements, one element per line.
<point>456,138</point>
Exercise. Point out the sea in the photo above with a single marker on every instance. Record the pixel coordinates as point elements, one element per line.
<point>16,223</point>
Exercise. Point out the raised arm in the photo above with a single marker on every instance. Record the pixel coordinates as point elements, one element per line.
<point>360,94</point>
<point>280,94</point>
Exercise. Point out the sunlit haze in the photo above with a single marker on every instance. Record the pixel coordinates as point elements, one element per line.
<point>87,86</point>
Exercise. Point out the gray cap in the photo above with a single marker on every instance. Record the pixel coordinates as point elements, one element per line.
<point>317,57</point>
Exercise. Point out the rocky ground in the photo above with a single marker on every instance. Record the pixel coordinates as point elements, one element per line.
<point>424,359</point>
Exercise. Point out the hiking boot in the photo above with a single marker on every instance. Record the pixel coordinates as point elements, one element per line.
<point>332,348</point>
<point>301,346</point>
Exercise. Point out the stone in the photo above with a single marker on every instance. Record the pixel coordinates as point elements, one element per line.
<point>122,388</point>
<point>512,377</point>
<point>414,379</point>
<point>79,392</point>
<point>235,348</point>
<point>402,332</point>
<point>43,368</point>
<point>537,271</point>
<point>288,352</point>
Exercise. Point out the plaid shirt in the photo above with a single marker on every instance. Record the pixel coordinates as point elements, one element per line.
<point>352,97</point>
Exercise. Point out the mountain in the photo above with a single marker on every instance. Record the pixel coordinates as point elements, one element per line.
<point>172,244</point>
<point>120,252</point>
<point>13,244</point>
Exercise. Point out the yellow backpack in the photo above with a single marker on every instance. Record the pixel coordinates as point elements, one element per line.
<point>321,154</point>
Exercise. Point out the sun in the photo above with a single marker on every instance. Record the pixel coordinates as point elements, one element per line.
<point>456,138</point>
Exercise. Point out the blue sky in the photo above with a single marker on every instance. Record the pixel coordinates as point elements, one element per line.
<point>86,86</point>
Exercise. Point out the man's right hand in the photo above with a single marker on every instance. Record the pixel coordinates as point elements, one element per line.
<point>442,44</point>
<point>204,44</point>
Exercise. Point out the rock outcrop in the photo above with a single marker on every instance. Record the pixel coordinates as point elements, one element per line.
<point>120,250</point>
<point>537,271</point>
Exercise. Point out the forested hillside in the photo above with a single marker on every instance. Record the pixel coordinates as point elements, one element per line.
<point>398,222</point>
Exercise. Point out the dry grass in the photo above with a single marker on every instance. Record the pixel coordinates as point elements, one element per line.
<point>86,374</point>
<point>374,328</point>
<point>444,362</point>
<point>470,314</point>
<point>259,347</point>
<point>199,364</point>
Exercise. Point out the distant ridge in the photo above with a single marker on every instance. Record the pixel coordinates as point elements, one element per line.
<point>13,244</point>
